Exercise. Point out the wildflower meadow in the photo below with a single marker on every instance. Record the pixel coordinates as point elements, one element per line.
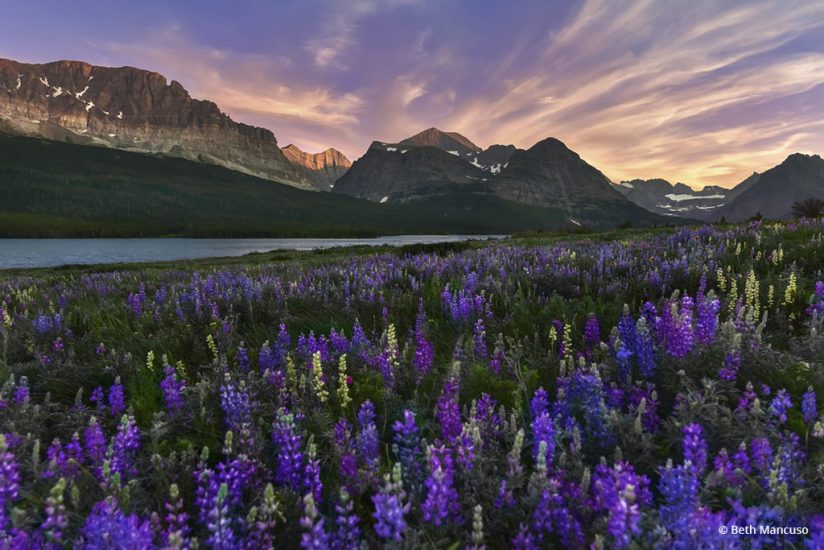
<point>657,389</point>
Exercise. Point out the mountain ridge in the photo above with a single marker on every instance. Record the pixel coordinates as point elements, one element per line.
<point>137,110</point>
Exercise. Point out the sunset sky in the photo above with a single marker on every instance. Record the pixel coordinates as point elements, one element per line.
<point>699,91</point>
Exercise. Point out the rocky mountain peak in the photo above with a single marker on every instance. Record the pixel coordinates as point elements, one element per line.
<point>323,168</point>
<point>451,142</point>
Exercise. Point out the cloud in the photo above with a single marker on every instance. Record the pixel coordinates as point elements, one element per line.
<point>698,91</point>
<point>643,89</point>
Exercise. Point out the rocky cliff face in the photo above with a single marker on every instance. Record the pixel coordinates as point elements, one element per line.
<point>323,168</point>
<point>396,172</point>
<point>134,109</point>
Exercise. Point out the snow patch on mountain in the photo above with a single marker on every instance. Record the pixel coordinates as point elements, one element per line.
<point>679,198</point>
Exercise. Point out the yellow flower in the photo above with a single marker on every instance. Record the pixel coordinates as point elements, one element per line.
<point>792,289</point>
<point>343,386</point>
<point>210,341</point>
<point>317,378</point>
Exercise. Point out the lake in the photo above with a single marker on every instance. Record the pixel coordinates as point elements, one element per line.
<point>29,253</point>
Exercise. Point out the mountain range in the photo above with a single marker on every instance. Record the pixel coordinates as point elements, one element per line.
<point>433,173</point>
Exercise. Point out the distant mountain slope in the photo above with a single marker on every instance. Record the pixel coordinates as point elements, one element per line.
<point>662,197</point>
<point>136,110</point>
<point>50,188</point>
<point>397,172</point>
<point>773,192</point>
<point>323,168</point>
<point>451,142</point>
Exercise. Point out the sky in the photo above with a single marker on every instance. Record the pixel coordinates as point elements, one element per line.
<point>698,91</point>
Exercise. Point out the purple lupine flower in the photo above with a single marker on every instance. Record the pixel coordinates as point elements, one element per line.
<point>543,431</point>
<point>788,462</point>
<point>348,534</point>
<point>442,502</point>
<point>762,453</point>
<point>622,357</point>
<point>626,329</point>
<point>817,301</point>
<point>21,391</point>
<point>644,350</point>
<point>424,351</point>
<point>124,447</point>
<point>97,397</point>
<point>64,462</point>
<point>266,359</point>
<point>552,515</point>
<point>390,507</point>
<point>479,340</point>
<point>650,419</point>
<point>449,411</point>
<point>679,488</point>
<point>311,477</point>
<point>816,539</point>
<point>117,401</point>
<point>706,324</point>
<point>288,445</point>
<point>95,446</point>
<point>619,493</point>
<point>242,358</point>
<point>809,410</point>
<point>733,468</point>
<point>236,405</point>
<point>732,364</point>
<point>56,520</point>
<point>175,535</point>
<point>135,301</point>
<point>524,540</point>
<point>677,328</point>
<point>9,481</point>
<point>108,527</point>
<point>219,493</point>
<point>780,405</point>
<point>408,444</point>
<point>219,524</point>
<point>539,403</point>
<point>746,401</point>
<point>315,537</point>
<point>592,334</point>
<point>368,439</point>
<point>695,448</point>
<point>171,387</point>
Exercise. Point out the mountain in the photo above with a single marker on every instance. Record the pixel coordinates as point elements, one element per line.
<point>550,174</point>
<point>662,197</point>
<point>494,158</point>
<point>773,192</point>
<point>135,110</point>
<point>451,142</point>
<point>391,172</point>
<point>58,189</point>
<point>547,176</point>
<point>323,168</point>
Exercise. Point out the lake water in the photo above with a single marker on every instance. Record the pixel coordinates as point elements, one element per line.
<point>28,253</point>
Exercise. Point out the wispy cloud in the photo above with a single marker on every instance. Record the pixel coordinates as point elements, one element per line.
<point>642,88</point>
